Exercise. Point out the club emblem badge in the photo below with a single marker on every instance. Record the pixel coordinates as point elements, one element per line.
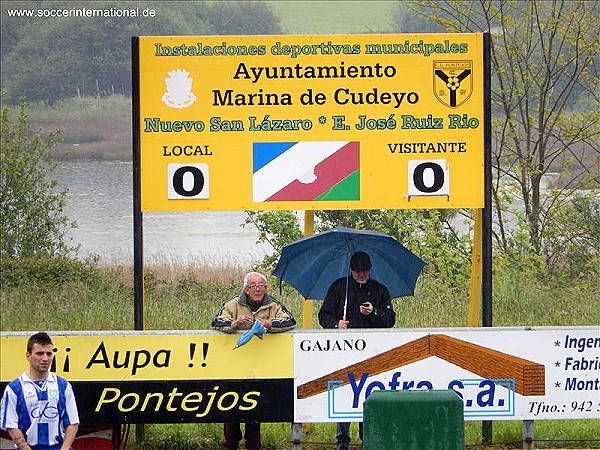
<point>453,82</point>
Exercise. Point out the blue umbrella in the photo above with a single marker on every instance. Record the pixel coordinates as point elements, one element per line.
<point>257,330</point>
<point>312,263</point>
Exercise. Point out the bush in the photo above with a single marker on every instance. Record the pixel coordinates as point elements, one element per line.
<point>33,219</point>
<point>46,270</point>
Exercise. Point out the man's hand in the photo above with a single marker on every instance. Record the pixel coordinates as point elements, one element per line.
<point>366,308</point>
<point>70,433</point>
<point>242,322</point>
<point>343,324</point>
<point>266,323</point>
<point>18,438</point>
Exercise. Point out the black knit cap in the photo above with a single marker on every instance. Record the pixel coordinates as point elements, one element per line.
<point>360,261</point>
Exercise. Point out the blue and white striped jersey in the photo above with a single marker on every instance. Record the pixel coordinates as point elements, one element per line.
<point>41,410</point>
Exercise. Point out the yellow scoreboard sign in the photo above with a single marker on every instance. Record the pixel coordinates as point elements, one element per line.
<point>310,122</point>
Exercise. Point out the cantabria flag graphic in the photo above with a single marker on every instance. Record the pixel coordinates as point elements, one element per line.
<point>304,171</point>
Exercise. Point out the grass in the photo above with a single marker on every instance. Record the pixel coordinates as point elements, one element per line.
<point>81,109</point>
<point>320,436</point>
<point>84,296</point>
<point>198,288</point>
<point>90,128</point>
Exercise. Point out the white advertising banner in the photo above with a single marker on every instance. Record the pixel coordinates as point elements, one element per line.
<point>500,373</point>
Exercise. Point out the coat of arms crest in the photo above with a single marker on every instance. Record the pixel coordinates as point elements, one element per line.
<point>452,82</point>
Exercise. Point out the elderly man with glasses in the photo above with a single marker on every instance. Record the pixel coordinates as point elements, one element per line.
<point>239,313</point>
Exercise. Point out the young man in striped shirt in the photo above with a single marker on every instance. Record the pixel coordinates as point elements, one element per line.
<point>38,409</point>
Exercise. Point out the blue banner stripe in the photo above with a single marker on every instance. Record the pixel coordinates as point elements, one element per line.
<point>265,152</point>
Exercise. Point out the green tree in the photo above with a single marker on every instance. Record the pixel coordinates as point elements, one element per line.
<point>277,228</point>
<point>33,219</point>
<point>439,237</point>
<point>61,57</point>
<point>546,111</point>
<point>573,238</point>
<point>51,58</point>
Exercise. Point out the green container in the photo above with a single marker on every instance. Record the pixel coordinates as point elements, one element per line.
<point>413,420</point>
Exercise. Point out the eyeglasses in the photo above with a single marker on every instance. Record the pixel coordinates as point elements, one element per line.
<point>257,286</point>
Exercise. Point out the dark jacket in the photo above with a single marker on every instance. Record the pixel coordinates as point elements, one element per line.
<point>332,310</point>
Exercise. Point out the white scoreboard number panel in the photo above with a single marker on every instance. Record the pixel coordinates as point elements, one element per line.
<point>188,181</point>
<point>428,177</point>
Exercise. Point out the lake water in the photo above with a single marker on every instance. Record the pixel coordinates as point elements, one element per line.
<point>100,200</point>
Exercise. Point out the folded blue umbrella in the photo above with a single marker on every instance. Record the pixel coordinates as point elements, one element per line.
<point>257,330</point>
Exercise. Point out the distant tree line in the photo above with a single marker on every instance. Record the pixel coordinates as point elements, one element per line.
<point>51,58</point>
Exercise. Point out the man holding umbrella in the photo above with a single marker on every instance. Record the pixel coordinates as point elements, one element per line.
<point>356,301</point>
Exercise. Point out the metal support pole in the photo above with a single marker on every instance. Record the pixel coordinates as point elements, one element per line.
<point>486,245</point>
<point>307,318</point>
<point>474,318</point>
<point>296,436</point>
<point>528,435</point>
<point>309,228</point>
<point>138,240</point>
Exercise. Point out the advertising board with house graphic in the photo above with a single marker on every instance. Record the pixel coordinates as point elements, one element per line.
<point>501,374</point>
<point>321,375</point>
